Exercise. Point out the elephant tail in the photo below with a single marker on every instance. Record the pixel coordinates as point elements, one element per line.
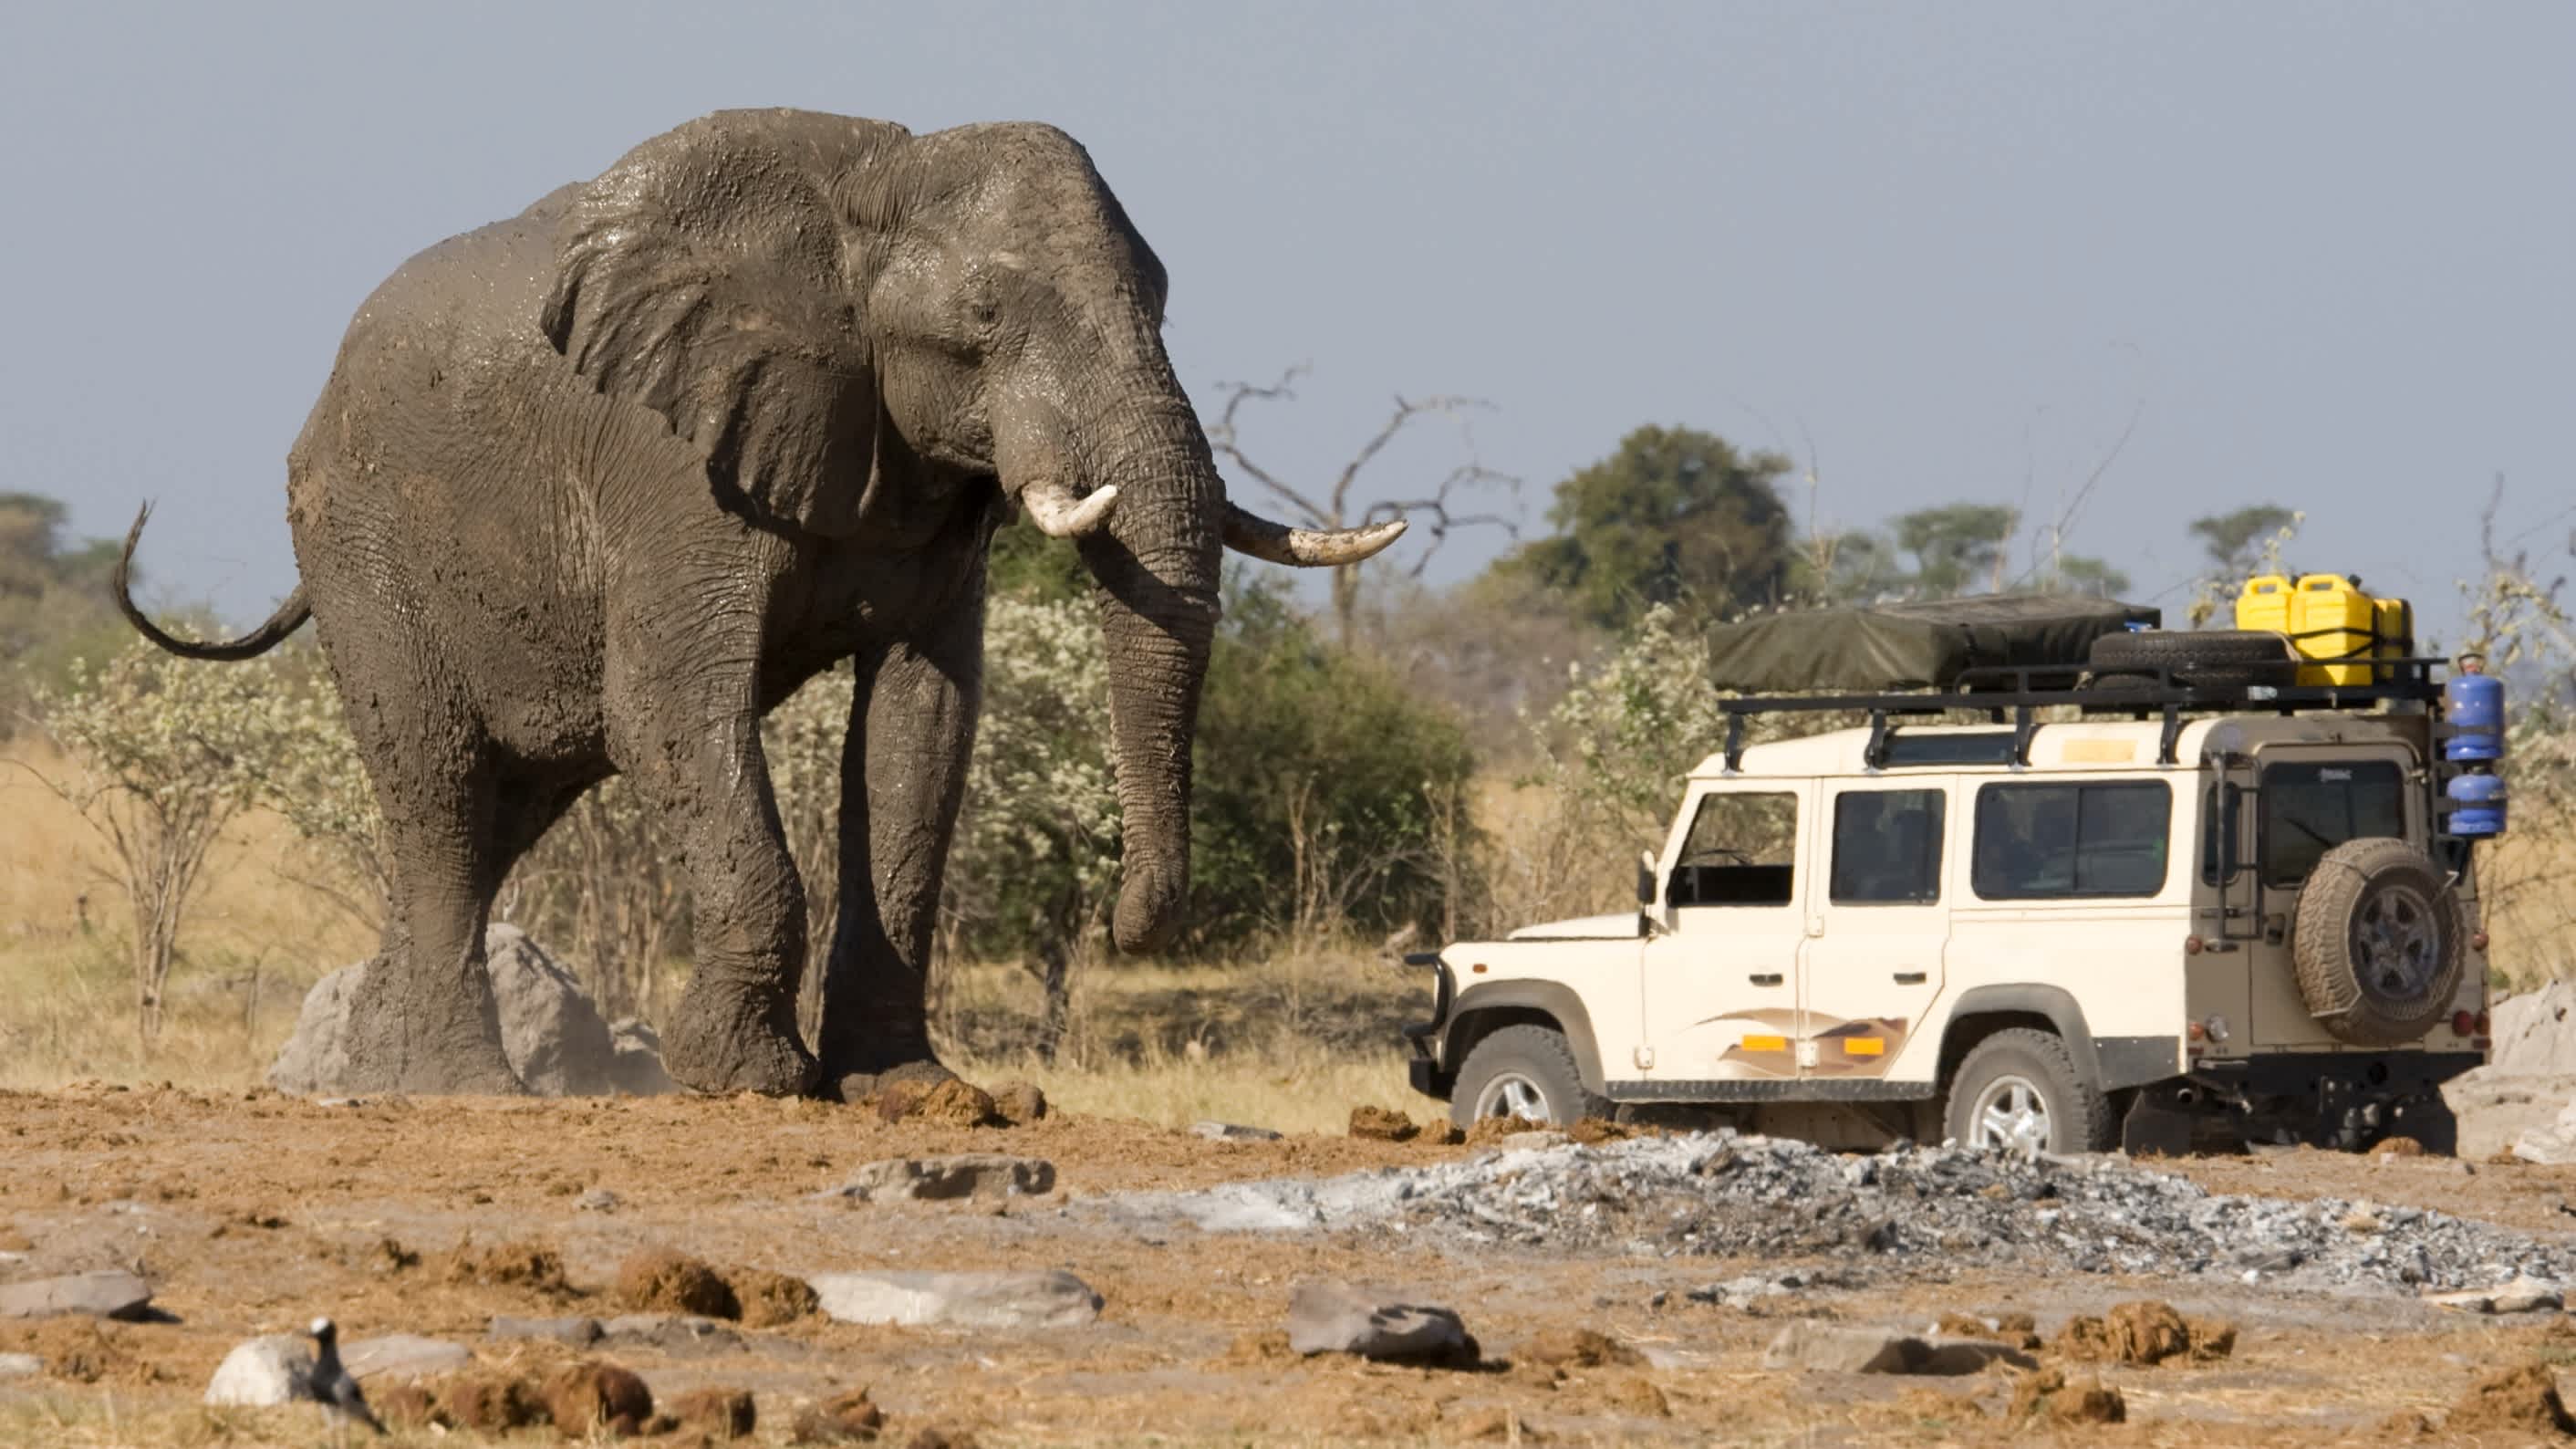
<point>290,616</point>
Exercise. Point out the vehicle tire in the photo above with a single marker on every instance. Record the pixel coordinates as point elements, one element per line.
<point>2206,657</point>
<point>2378,937</point>
<point>2019,1089</point>
<point>1527,1072</point>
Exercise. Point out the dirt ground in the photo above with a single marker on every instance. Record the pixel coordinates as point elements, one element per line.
<point>252,1212</point>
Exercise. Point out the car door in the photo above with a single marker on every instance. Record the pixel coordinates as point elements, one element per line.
<point>1877,924</point>
<point>1721,983</point>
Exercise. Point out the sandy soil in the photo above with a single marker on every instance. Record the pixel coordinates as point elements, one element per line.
<point>253,1212</point>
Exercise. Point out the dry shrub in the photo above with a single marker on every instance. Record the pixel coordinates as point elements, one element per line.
<point>659,1280</point>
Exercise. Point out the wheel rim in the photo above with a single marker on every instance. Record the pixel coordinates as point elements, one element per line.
<point>2010,1112</point>
<point>1513,1095</point>
<point>2396,943</point>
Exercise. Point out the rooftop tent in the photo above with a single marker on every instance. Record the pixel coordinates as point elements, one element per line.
<point>1913,646</point>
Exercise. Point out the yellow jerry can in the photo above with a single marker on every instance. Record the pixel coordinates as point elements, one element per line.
<point>2265,604</point>
<point>2331,618</point>
<point>2394,621</point>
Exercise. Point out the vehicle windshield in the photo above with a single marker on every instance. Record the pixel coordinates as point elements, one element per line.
<point>2311,807</point>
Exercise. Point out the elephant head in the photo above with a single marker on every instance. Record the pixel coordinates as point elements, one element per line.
<point>833,310</point>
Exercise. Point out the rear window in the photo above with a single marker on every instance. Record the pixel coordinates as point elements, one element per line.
<point>2310,807</point>
<point>2049,842</point>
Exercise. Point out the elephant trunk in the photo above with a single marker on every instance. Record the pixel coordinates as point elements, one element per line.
<point>1156,560</point>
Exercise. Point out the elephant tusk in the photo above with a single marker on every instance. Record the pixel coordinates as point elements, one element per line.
<point>1059,512</point>
<point>1249,533</point>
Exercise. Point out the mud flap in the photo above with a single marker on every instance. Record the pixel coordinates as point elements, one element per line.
<point>2157,1125</point>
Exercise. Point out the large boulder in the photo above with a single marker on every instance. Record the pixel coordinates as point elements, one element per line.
<point>553,1035</point>
<point>2535,1033</point>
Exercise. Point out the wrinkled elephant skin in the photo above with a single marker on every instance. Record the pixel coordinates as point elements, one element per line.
<point>592,488</point>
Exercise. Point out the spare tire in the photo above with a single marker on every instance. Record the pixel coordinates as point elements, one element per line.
<point>2213,657</point>
<point>2379,938</point>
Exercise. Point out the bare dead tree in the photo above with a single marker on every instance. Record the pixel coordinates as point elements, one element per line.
<point>1330,505</point>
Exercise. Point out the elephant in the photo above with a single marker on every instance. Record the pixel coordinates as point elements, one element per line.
<point>591,489</point>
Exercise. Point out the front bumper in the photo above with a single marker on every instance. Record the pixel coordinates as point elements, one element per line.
<point>1427,1037</point>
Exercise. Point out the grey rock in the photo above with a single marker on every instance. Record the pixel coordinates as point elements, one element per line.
<point>597,1200</point>
<point>1831,1348</point>
<point>635,1063</point>
<point>263,1371</point>
<point>2529,1295</point>
<point>550,1031</point>
<point>20,1365</point>
<point>1231,1132</point>
<point>1339,1318</point>
<point>1536,1141</point>
<point>400,1356</point>
<point>95,1295</point>
<point>679,1333</point>
<point>2535,1032</point>
<point>985,1175</point>
<point>580,1332</point>
<point>1052,1299</point>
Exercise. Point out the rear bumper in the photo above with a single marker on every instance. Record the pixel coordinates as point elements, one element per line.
<point>2311,1075</point>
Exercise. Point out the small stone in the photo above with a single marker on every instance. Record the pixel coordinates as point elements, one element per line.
<point>845,1419</point>
<point>722,1413</point>
<point>660,1280</point>
<point>1382,1124</point>
<point>399,1356</point>
<point>677,1333</point>
<point>1338,1318</point>
<point>977,1175</point>
<point>92,1295</point>
<point>1053,1299</point>
<point>579,1332</point>
<point>262,1371</point>
<point>20,1365</point>
<point>1019,1103</point>
<point>594,1396</point>
<point>1229,1132</point>
<point>597,1200</point>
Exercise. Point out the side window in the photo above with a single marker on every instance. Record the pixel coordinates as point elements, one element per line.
<point>1887,847</point>
<point>2037,842</point>
<point>2309,809</point>
<point>1740,852</point>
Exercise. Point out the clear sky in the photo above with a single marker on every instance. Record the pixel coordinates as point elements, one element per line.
<point>2320,253</point>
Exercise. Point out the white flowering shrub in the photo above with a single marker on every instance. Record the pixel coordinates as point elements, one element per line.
<point>162,754</point>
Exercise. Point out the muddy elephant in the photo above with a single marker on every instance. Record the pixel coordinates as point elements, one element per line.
<point>593,488</point>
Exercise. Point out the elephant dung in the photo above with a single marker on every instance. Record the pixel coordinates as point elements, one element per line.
<point>550,1031</point>
<point>980,1175</point>
<point>1052,1299</point>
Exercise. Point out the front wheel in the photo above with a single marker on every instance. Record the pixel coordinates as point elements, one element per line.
<point>1525,1073</point>
<point>2019,1089</point>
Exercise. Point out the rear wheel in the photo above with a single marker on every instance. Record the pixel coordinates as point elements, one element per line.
<point>2019,1089</point>
<point>1526,1073</point>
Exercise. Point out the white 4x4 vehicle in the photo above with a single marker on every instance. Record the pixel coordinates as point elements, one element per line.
<point>2096,917</point>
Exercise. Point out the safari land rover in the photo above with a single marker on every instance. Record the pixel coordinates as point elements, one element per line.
<point>2178,885</point>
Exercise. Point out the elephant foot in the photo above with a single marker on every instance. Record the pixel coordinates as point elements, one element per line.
<point>857,1087</point>
<point>421,1042</point>
<point>725,1040</point>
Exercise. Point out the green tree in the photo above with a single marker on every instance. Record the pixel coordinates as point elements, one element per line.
<point>1675,516</point>
<point>53,600</point>
<point>1958,548</point>
<point>2235,540</point>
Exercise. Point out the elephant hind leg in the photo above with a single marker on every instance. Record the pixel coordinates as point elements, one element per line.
<point>426,1020</point>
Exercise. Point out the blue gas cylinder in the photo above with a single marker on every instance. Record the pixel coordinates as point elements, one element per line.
<point>2474,705</point>
<point>2481,800</point>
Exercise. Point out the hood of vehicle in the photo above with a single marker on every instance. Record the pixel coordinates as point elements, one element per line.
<point>1614,927</point>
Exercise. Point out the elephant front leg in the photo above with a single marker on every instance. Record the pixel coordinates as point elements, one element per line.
<point>699,765</point>
<point>903,771</point>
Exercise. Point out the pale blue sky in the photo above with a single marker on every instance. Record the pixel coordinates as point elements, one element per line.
<point>2320,251</point>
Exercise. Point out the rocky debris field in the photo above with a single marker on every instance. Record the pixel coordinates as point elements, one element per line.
<point>1908,1210</point>
<point>962,1267</point>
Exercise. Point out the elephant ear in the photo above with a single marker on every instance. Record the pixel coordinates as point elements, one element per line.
<point>702,277</point>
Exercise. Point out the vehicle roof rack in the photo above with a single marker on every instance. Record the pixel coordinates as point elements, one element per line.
<point>2014,695</point>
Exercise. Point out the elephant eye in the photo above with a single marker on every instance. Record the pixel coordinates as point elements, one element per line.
<point>987,312</point>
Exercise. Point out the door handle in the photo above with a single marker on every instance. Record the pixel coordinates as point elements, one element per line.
<point>1765,978</point>
<point>1909,978</point>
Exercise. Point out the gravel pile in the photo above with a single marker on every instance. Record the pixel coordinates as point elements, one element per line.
<point>1909,1209</point>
